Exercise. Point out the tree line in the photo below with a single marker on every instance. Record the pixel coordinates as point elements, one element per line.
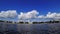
<point>48,22</point>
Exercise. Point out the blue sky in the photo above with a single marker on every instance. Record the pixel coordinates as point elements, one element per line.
<point>42,6</point>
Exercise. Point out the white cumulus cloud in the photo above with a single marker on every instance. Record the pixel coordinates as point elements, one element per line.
<point>50,15</point>
<point>28,15</point>
<point>53,15</point>
<point>8,14</point>
<point>35,14</point>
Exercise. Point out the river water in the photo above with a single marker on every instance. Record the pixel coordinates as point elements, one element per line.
<point>30,28</point>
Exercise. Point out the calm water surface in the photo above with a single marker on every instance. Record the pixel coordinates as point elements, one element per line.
<point>30,28</point>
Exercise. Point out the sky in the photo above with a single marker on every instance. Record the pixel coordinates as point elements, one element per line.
<point>29,9</point>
